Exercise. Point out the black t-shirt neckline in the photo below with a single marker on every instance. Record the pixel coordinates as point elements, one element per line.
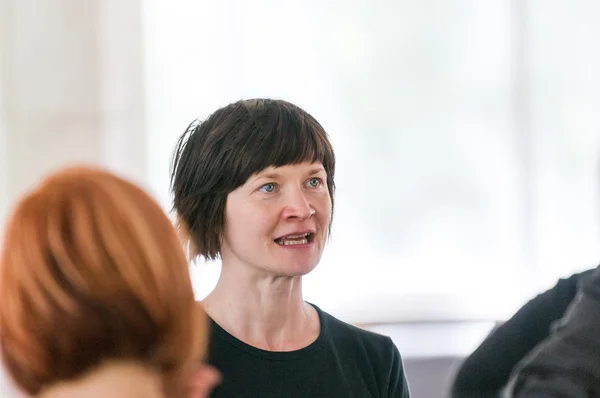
<point>221,333</point>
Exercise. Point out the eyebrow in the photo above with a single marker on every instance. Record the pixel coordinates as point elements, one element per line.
<point>316,170</point>
<point>273,174</point>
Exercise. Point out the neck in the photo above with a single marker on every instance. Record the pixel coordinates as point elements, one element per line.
<point>264,311</point>
<point>115,379</point>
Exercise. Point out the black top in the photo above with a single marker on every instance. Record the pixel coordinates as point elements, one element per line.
<point>344,361</point>
<point>567,363</point>
<point>487,370</point>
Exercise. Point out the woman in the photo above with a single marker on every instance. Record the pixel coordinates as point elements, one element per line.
<point>486,372</point>
<point>254,184</point>
<point>95,295</point>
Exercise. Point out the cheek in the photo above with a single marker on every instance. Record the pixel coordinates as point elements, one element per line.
<point>249,224</point>
<point>235,225</point>
<point>324,209</point>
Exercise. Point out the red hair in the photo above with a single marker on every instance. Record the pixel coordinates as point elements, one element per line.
<point>92,270</point>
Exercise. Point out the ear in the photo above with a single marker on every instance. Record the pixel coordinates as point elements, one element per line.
<point>203,381</point>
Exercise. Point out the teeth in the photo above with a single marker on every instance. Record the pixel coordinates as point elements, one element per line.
<point>297,236</point>
<point>300,239</point>
<point>294,242</point>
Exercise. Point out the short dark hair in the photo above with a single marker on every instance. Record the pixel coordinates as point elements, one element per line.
<point>214,157</point>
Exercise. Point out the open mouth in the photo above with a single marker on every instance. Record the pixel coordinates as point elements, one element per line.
<point>299,239</point>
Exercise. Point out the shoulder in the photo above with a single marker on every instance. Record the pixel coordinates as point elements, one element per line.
<point>338,326</point>
<point>377,346</point>
<point>573,282</point>
<point>372,353</point>
<point>590,276</point>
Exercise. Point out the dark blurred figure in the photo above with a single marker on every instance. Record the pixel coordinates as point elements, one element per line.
<point>567,363</point>
<point>486,372</point>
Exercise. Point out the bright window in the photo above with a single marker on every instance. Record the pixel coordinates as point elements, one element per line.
<point>466,132</point>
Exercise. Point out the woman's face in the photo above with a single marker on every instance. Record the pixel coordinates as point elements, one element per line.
<point>278,221</point>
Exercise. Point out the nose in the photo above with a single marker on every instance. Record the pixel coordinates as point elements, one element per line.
<point>297,206</point>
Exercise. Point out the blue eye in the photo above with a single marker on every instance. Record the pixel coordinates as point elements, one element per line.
<point>314,182</point>
<point>268,188</point>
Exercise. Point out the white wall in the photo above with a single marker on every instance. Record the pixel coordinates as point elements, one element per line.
<point>71,89</point>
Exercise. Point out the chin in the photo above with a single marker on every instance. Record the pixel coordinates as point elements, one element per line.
<point>294,270</point>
